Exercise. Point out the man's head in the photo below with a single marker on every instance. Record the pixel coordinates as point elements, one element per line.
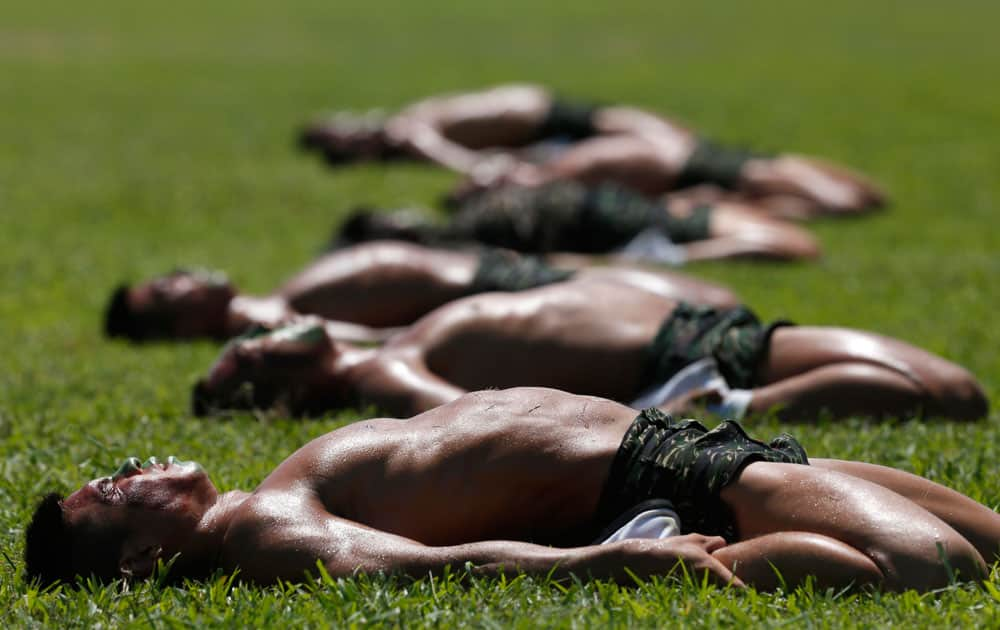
<point>288,369</point>
<point>181,305</point>
<point>120,525</point>
<point>346,138</point>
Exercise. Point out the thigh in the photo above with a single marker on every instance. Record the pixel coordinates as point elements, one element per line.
<point>909,544</point>
<point>730,219</point>
<point>795,350</point>
<point>629,160</point>
<point>974,521</point>
<point>774,238</point>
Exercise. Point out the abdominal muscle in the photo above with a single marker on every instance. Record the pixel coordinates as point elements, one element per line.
<point>495,471</point>
<point>587,341</point>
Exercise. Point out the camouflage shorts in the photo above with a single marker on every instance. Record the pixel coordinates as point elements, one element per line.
<point>569,216</point>
<point>501,270</point>
<point>689,465</point>
<point>734,337</point>
<point>712,163</point>
<point>568,120</point>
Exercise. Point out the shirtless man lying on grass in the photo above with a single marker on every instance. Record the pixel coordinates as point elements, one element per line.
<point>365,291</point>
<point>605,219</point>
<point>594,337</point>
<point>474,133</point>
<point>532,480</point>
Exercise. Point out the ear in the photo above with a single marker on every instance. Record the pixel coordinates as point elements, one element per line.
<point>139,563</point>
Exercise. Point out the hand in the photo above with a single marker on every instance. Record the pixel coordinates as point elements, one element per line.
<point>693,551</point>
<point>690,401</point>
<point>501,170</point>
<point>492,170</point>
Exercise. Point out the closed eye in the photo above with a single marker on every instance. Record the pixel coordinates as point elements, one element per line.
<point>108,491</point>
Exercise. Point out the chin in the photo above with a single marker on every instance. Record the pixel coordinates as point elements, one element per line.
<point>179,491</point>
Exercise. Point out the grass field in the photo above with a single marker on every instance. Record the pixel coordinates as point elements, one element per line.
<point>135,137</point>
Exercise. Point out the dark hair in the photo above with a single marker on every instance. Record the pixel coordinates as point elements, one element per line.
<point>358,227</point>
<point>48,544</point>
<point>247,396</point>
<point>378,150</point>
<point>54,551</point>
<point>339,157</point>
<point>364,224</point>
<point>119,321</point>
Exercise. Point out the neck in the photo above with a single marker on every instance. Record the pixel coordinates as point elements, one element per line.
<point>344,379</point>
<point>202,554</point>
<point>246,311</point>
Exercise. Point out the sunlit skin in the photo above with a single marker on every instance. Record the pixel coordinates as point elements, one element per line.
<point>587,337</point>
<point>165,506</point>
<point>366,292</point>
<point>478,134</point>
<point>737,229</point>
<point>510,480</point>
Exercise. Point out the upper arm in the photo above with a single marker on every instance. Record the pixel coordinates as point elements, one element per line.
<point>405,385</point>
<point>350,548</point>
<point>273,547</point>
<point>288,547</point>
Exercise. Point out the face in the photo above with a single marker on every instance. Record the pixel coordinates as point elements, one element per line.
<point>145,504</point>
<point>184,304</point>
<point>262,370</point>
<point>350,137</point>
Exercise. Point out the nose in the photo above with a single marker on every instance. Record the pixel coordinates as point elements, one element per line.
<point>129,467</point>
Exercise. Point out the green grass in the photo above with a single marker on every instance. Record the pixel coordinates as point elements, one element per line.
<point>137,137</point>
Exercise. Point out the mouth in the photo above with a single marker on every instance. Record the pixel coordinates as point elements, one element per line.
<point>190,465</point>
<point>210,277</point>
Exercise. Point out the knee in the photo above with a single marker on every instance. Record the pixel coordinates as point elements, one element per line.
<point>929,562</point>
<point>956,393</point>
<point>795,242</point>
<point>784,241</point>
<point>719,297</point>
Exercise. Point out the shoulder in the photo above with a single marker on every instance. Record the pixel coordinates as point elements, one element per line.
<point>265,539</point>
<point>518,91</point>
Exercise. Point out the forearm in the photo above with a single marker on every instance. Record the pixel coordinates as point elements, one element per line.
<point>631,120</point>
<point>403,386</point>
<point>370,551</point>
<point>358,333</point>
<point>427,142</point>
<point>429,395</point>
<point>510,557</point>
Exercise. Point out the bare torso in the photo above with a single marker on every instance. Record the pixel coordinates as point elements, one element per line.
<point>380,284</point>
<point>480,479</point>
<point>582,336</point>
<point>640,149</point>
<point>384,284</point>
<point>527,467</point>
<point>504,116</point>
